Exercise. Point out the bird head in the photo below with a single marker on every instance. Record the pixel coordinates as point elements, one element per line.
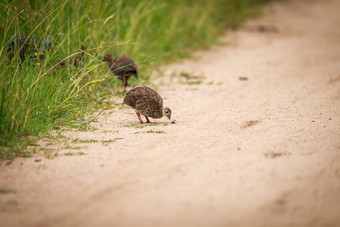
<point>82,53</point>
<point>108,58</point>
<point>47,42</point>
<point>167,112</point>
<point>83,48</point>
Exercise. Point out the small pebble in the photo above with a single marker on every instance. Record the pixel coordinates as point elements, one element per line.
<point>243,78</point>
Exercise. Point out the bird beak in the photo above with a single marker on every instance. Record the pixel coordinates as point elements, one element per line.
<point>136,76</point>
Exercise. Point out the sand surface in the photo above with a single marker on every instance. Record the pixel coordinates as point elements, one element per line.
<point>256,140</point>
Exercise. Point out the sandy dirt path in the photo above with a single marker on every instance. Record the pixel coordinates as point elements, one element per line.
<point>258,152</point>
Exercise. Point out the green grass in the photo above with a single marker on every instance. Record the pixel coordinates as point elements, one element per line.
<point>35,99</point>
<point>195,82</point>
<point>151,131</point>
<point>138,125</point>
<point>94,141</point>
<point>74,153</point>
<point>110,141</point>
<point>6,191</point>
<point>84,141</point>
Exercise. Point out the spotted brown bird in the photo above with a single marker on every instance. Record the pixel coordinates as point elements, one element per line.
<point>123,67</point>
<point>146,102</point>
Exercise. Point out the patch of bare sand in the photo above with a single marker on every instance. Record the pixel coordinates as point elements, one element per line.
<point>256,140</point>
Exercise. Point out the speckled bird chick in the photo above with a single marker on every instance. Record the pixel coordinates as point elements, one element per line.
<point>28,46</point>
<point>123,67</point>
<point>76,61</point>
<point>146,102</point>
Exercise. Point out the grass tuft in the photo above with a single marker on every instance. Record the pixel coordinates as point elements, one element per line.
<point>151,131</point>
<point>84,141</point>
<point>6,191</point>
<point>74,153</point>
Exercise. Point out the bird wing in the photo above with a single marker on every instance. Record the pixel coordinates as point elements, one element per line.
<point>134,96</point>
<point>145,94</point>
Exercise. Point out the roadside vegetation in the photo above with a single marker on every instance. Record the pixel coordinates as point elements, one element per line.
<point>38,95</point>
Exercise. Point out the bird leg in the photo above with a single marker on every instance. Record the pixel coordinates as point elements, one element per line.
<point>125,80</point>
<point>147,119</point>
<point>140,119</point>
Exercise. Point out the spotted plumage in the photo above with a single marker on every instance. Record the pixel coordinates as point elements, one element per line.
<point>76,60</point>
<point>28,46</point>
<point>123,67</point>
<point>146,102</point>
<point>79,58</point>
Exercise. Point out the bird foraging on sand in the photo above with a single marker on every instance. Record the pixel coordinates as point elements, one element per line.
<point>146,102</point>
<point>123,67</point>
